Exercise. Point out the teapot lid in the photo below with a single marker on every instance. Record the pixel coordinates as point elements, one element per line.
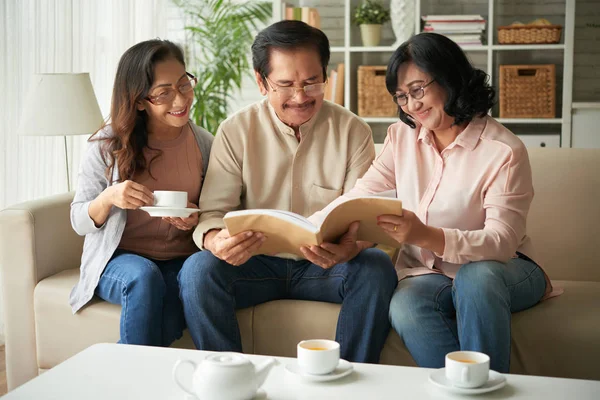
<point>226,359</point>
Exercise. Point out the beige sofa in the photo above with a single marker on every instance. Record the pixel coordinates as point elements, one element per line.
<point>39,259</point>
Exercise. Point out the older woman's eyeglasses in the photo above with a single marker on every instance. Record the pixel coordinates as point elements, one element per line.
<point>167,95</point>
<point>287,92</point>
<point>416,92</point>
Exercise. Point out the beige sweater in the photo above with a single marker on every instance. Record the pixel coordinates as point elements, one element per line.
<point>257,162</point>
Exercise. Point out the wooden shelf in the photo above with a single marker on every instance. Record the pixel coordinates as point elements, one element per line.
<point>381,120</point>
<point>529,120</point>
<point>377,49</point>
<point>508,47</point>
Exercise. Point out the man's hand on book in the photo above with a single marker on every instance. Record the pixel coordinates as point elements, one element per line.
<point>236,249</point>
<point>329,254</point>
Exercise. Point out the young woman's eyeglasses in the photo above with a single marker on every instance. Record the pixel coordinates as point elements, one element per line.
<point>416,93</point>
<point>286,92</point>
<point>167,95</point>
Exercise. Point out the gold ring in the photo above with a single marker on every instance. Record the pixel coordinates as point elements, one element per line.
<point>395,228</point>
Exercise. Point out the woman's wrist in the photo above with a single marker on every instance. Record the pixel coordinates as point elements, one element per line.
<point>105,199</point>
<point>433,239</point>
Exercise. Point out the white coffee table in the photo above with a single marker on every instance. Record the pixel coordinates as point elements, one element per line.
<point>111,371</point>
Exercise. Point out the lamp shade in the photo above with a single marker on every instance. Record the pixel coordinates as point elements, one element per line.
<point>59,105</point>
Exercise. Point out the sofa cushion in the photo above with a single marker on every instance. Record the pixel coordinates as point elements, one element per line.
<point>279,325</point>
<point>563,218</point>
<point>272,328</point>
<point>60,334</point>
<point>560,336</point>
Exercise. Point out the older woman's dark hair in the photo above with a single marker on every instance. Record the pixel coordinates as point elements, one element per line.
<point>288,35</point>
<point>468,89</point>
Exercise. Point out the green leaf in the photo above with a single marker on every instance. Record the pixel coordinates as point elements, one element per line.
<point>221,33</point>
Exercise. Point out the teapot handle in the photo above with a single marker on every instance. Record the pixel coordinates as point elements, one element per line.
<point>178,364</point>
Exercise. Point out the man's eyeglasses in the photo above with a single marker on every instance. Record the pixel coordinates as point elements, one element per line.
<point>167,95</point>
<point>286,92</point>
<point>416,93</point>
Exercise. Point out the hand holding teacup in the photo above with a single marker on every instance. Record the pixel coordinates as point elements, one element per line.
<point>127,195</point>
<point>174,199</point>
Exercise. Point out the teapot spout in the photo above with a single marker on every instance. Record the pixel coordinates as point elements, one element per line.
<point>262,370</point>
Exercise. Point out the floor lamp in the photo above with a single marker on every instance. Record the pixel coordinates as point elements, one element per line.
<point>60,105</point>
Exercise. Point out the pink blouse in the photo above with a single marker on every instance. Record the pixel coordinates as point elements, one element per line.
<point>478,190</point>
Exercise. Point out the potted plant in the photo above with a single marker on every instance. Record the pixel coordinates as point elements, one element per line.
<point>370,15</point>
<point>219,36</point>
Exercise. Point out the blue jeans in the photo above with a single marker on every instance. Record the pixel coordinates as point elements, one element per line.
<point>435,316</point>
<point>211,291</point>
<point>148,292</point>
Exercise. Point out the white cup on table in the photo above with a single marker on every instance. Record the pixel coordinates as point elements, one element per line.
<point>467,369</point>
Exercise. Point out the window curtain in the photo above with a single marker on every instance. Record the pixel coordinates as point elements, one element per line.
<point>53,36</point>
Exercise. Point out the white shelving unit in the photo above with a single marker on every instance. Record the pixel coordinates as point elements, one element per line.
<point>351,50</point>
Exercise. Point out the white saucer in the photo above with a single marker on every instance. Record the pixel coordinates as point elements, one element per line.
<point>260,395</point>
<point>169,211</point>
<point>344,368</point>
<point>495,382</point>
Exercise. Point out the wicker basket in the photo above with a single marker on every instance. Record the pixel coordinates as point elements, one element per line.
<point>527,91</point>
<point>373,97</point>
<point>527,34</point>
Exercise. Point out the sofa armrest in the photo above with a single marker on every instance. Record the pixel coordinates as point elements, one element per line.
<point>36,241</point>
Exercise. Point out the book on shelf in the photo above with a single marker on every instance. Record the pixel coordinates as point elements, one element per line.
<point>286,231</point>
<point>462,29</point>
<point>339,88</point>
<point>334,91</point>
<point>309,15</point>
<point>445,18</point>
<point>454,26</point>
<point>331,85</point>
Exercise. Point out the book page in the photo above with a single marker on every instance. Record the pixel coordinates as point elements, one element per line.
<point>285,231</point>
<point>363,209</point>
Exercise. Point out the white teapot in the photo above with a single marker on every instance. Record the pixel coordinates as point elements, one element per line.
<point>224,376</point>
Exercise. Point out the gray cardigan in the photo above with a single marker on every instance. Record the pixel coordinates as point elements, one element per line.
<point>100,243</point>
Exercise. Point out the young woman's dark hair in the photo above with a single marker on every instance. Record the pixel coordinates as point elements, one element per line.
<point>468,89</point>
<point>133,81</point>
<point>288,35</point>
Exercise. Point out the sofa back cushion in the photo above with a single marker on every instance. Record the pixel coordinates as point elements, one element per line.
<point>564,220</point>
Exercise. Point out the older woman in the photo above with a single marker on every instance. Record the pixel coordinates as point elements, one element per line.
<point>465,182</point>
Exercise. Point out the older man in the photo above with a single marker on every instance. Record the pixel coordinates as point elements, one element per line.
<point>292,151</point>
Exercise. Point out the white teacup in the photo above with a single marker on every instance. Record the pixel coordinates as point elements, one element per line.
<point>467,369</point>
<point>168,198</point>
<point>318,356</point>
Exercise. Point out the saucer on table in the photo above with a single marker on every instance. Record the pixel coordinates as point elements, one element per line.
<point>495,382</point>
<point>260,395</point>
<point>344,368</point>
<point>169,211</point>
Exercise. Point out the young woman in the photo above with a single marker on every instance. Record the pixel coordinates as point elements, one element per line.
<point>465,183</point>
<point>130,258</point>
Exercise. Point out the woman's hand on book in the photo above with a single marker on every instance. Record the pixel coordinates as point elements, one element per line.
<point>236,249</point>
<point>329,254</point>
<point>409,229</point>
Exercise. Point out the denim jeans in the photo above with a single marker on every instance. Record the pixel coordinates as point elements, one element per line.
<point>211,291</point>
<point>148,292</point>
<point>435,315</point>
